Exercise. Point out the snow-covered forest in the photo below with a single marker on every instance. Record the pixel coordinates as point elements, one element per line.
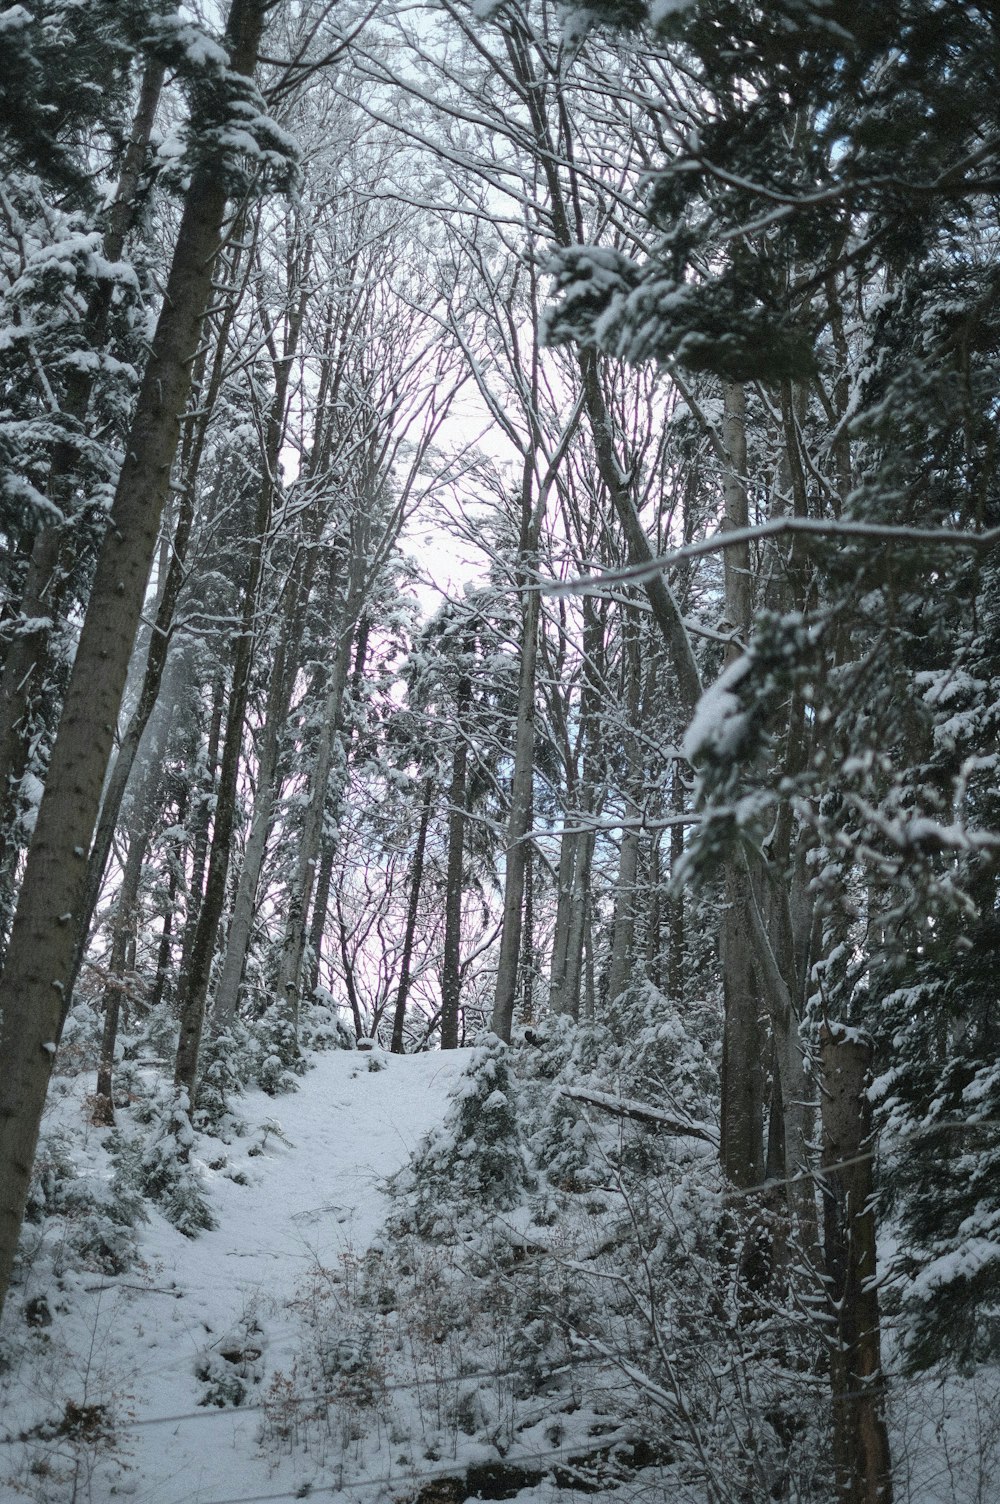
<point>499,711</point>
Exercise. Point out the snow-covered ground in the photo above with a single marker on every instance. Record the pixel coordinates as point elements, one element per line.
<point>134,1343</point>
<point>270,1359</point>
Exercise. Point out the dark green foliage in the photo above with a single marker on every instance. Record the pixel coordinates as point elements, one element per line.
<point>229,123</point>
<point>65,68</point>
<point>941,1106</point>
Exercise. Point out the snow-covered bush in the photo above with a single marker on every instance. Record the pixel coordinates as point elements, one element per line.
<point>232,1364</point>
<point>280,1058</point>
<point>96,1217</point>
<point>157,1165</point>
<point>320,1027</point>
<point>476,1162</point>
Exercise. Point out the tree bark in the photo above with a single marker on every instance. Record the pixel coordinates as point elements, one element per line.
<point>860,1438</point>
<point>623,930</point>
<point>28,661</point>
<point>123,931</point>
<point>35,986</point>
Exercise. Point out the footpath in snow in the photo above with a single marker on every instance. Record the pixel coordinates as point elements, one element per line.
<point>314,1194</point>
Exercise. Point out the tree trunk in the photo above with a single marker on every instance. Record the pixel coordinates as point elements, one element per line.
<point>194,994</point>
<point>518,823</point>
<point>860,1439</point>
<point>742,1104</point>
<point>412,909</point>
<point>742,1097</point>
<point>289,988</point>
<point>123,933</point>
<point>160,637</point>
<point>276,711</point>
<point>200,820</point>
<point>28,661</point>
<point>451,963</point>
<point>45,933</point>
<point>623,930</point>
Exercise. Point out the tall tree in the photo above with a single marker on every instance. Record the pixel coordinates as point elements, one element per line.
<point>37,974</point>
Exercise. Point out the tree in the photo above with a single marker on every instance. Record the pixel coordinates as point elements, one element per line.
<point>38,970</point>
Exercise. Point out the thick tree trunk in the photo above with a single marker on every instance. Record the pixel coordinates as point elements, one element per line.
<point>28,662</point>
<point>861,1443</point>
<point>44,937</point>
<point>158,651</point>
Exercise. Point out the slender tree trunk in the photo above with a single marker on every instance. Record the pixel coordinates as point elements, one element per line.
<point>519,823</point>
<point>324,874</point>
<point>654,916</point>
<point>200,821</point>
<point>122,936</point>
<point>567,965</point>
<point>742,1097</point>
<point>45,934</point>
<point>451,964</point>
<point>412,910</point>
<point>742,1103</point>
<point>526,970</point>
<point>275,714</point>
<point>569,849</point>
<point>310,837</point>
<point>579,911</point>
<point>623,930</point>
<point>194,994</point>
<point>165,947</point>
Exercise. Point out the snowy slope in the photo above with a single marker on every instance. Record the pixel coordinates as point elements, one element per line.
<point>313,1195</point>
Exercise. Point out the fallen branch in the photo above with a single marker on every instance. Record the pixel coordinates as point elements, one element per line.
<point>625,1107</point>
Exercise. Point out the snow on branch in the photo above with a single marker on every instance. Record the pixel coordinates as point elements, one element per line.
<point>641,1112</point>
<point>878,532</point>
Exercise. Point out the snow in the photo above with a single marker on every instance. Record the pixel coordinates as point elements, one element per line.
<point>659,10</point>
<point>719,722</point>
<point>14,16</point>
<point>314,1195</point>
